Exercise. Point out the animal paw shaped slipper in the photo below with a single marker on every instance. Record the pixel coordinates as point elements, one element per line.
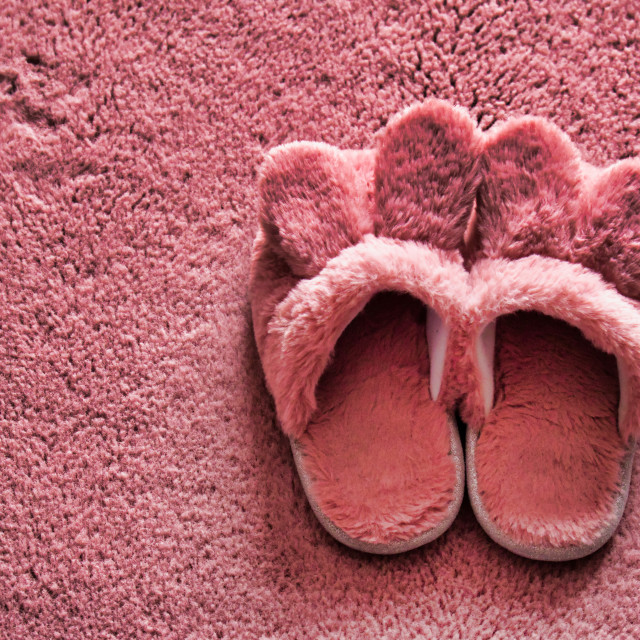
<point>357,291</point>
<point>554,406</point>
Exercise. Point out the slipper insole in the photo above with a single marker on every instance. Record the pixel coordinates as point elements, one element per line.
<point>549,456</point>
<point>378,449</point>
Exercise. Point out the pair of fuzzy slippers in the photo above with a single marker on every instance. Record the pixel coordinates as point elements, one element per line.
<point>495,273</point>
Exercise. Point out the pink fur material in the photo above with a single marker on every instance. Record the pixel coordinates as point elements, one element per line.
<point>417,198</point>
<point>528,200</point>
<point>318,258</point>
<point>547,229</point>
<point>349,375</point>
<point>378,448</point>
<point>312,207</point>
<point>549,455</point>
<point>538,196</point>
<point>538,199</point>
<point>608,239</point>
<point>306,325</point>
<point>569,292</point>
<point>557,236</point>
<point>146,494</point>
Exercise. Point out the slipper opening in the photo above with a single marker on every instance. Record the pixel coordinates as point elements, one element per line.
<point>549,461</point>
<point>379,455</point>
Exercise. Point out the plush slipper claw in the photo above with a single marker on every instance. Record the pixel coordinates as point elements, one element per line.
<point>554,407</point>
<point>357,290</point>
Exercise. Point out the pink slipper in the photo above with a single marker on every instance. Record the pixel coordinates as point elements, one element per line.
<point>357,286</point>
<point>554,409</point>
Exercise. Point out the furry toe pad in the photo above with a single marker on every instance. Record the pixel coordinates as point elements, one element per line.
<point>426,174</point>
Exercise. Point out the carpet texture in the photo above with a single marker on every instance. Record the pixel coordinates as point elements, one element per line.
<point>145,490</point>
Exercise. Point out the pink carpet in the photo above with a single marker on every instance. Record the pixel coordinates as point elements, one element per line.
<point>145,491</point>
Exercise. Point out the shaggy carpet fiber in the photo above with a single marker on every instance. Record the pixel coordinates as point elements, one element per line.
<point>145,489</point>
